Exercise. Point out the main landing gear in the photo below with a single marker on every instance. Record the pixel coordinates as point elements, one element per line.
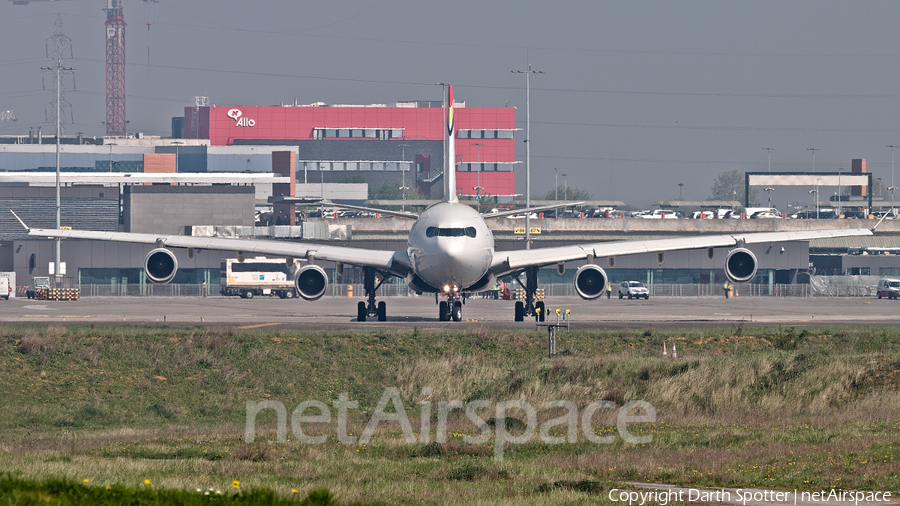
<point>529,307</point>
<point>450,309</point>
<point>371,309</point>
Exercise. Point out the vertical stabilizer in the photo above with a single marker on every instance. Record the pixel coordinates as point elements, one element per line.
<point>450,160</point>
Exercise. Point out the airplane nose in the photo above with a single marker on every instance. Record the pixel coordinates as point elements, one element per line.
<point>454,254</point>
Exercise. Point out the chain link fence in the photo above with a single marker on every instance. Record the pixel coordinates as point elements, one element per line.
<point>819,286</point>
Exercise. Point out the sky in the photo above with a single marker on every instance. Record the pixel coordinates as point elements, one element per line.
<point>636,97</point>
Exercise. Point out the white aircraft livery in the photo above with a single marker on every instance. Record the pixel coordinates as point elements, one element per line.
<point>450,251</point>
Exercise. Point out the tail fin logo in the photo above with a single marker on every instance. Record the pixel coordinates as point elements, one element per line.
<point>450,125</point>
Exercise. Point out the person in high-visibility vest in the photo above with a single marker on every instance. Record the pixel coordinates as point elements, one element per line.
<point>608,290</point>
<point>726,287</point>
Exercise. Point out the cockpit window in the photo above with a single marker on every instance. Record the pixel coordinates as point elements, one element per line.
<point>450,232</point>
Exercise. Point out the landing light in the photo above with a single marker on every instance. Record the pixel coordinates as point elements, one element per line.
<point>446,288</point>
<point>455,288</point>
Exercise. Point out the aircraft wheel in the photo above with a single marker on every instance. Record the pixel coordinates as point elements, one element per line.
<point>541,311</point>
<point>457,311</point>
<point>361,311</point>
<point>382,311</point>
<point>520,311</point>
<point>443,311</point>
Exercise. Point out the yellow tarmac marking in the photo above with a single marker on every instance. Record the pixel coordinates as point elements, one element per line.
<point>259,325</point>
<point>58,316</point>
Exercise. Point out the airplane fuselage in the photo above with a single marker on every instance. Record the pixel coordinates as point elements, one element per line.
<point>450,248</point>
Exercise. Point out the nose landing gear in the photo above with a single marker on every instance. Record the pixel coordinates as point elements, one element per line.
<point>450,309</point>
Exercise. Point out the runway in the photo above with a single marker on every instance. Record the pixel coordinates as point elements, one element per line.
<point>421,311</point>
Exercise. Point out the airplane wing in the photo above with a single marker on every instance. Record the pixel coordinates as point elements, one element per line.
<point>395,262</point>
<point>512,212</point>
<point>398,214</point>
<point>506,262</point>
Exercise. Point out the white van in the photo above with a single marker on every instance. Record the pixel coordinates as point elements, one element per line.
<point>5,287</point>
<point>889,287</point>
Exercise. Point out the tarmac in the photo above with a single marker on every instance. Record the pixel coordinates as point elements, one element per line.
<point>422,312</point>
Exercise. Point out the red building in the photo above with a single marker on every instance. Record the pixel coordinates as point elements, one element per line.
<point>377,141</point>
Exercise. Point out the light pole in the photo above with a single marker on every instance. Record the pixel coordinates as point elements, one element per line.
<point>840,206</point>
<point>817,197</point>
<point>478,151</point>
<point>814,156</point>
<point>815,194</point>
<point>891,189</point>
<point>893,186</point>
<point>565,188</point>
<point>769,191</point>
<point>527,150</point>
<point>403,174</point>
<point>770,157</point>
<point>178,143</point>
<point>555,186</point>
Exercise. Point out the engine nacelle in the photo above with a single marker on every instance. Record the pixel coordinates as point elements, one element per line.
<point>740,265</point>
<point>590,281</point>
<point>311,282</point>
<point>160,265</point>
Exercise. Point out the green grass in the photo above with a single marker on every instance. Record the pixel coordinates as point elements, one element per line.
<point>20,491</point>
<point>782,407</point>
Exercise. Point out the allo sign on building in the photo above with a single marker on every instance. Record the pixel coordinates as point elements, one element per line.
<point>239,118</point>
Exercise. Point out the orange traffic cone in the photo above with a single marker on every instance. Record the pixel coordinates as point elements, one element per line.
<point>665,353</point>
<point>674,351</point>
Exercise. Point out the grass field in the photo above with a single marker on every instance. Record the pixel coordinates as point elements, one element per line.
<point>160,413</point>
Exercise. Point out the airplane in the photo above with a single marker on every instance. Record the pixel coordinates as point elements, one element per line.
<point>450,251</point>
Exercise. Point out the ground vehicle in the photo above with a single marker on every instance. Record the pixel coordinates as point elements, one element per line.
<point>889,287</point>
<point>765,215</point>
<point>657,214</point>
<point>5,288</point>
<point>703,215</point>
<point>258,276</point>
<point>37,283</point>
<point>633,290</point>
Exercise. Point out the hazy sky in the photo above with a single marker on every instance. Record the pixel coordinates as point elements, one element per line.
<point>638,96</point>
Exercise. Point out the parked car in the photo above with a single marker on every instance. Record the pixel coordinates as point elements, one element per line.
<point>889,287</point>
<point>658,214</point>
<point>633,290</point>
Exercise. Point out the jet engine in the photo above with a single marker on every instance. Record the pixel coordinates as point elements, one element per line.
<point>740,265</point>
<point>590,281</point>
<point>311,282</point>
<point>160,265</point>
